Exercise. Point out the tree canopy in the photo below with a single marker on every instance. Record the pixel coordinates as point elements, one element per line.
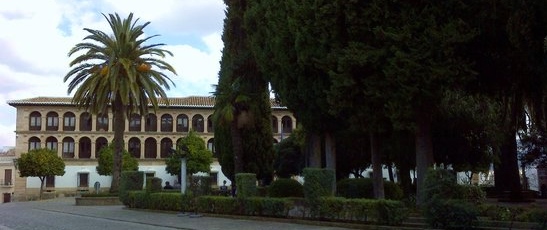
<point>40,163</point>
<point>105,162</point>
<point>193,147</point>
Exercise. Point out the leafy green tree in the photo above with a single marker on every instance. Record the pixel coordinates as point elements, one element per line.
<point>40,163</point>
<point>105,162</point>
<point>289,160</point>
<point>243,136</point>
<point>193,147</point>
<point>119,72</point>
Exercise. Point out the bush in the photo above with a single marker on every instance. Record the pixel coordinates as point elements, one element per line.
<point>318,182</point>
<point>246,185</point>
<point>362,188</point>
<point>165,201</point>
<point>153,184</point>
<point>284,187</point>
<point>201,185</point>
<point>472,193</point>
<point>130,181</point>
<point>451,214</point>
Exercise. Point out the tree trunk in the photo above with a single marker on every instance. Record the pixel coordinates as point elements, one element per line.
<point>42,179</point>
<point>314,150</point>
<point>390,173</point>
<point>330,151</point>
<point>424,153</point>
<point>237,147</point>
<point>507,179</point>
<point>377,175</point>
<point>118,111</point>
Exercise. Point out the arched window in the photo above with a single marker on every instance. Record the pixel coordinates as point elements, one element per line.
<point>52,121</point>
<point>211,147</point>
<point>134,147</point>
<point>166,146</point>
<point>84,147</point>
<point>286,122</point>
<point>33,143</point>
<point>197,123</point>
<point>68,147</point>
<point>102,122</point>
<point>85,121</point>
<point>135,123</point>
<point>35,121</point>
<point>100,143</point>
<point>69,121</point>
<point>150,148</point>
<point>51,143</point>
<point>151,123</point>
<point>275,128</point>
<point>182,123</point>
<point>210,128</point>
<point>166,123</point>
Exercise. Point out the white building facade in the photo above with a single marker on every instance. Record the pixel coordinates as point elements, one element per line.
<point>77,136</point>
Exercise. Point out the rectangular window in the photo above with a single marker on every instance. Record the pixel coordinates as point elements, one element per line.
<point>35,123</point>
<point>51,145</point>
<point>7,177</point>
<point>34,145</point>
<point>52,121</point>
<point>83,180</point>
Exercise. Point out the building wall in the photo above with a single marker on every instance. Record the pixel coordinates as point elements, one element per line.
<point>83,163</point>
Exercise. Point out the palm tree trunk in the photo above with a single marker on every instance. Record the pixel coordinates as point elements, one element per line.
<point>119,127</point>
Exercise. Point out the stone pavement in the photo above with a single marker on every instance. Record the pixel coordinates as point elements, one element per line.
<point>164,220</point>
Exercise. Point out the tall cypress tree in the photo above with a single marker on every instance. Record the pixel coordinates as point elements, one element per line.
<point>242,118</point>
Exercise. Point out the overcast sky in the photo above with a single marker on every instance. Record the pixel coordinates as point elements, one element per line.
<point>35,37</point>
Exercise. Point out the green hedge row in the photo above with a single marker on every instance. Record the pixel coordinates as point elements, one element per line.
<point>385,212</point>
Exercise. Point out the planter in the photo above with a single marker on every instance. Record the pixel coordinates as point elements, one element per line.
<point>95,201</point>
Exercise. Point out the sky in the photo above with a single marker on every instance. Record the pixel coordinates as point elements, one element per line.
<point>36,36</point>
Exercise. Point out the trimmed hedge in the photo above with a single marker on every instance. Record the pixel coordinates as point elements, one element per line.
<point>386,212</point>
<point>318,182</point>
<point>362,188</point>
<point>246,185</point>
<point>130,181</point>
<point>153,184</point>
<point>284,187</point>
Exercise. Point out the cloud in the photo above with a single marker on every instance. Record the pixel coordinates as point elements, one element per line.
<point>37,35</point>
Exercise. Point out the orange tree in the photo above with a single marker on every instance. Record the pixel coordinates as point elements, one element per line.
<point>40,163</point>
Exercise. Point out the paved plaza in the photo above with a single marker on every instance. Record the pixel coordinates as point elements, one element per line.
<point>61,213</point>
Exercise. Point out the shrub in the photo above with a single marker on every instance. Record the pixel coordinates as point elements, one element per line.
<point>246,185</point>
<point>317,183</point>
<point>362,188</point>
<point>451,214</point>
<point>153,184</point>
<point>201,185</point>
<point>472,193</point>
<point>284,187</point>
<point>165,201</point>
<point>130,181</point>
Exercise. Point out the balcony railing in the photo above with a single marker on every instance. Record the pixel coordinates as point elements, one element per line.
<point>6,183</point>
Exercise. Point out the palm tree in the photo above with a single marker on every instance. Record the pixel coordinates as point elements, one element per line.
<point>121,73</point>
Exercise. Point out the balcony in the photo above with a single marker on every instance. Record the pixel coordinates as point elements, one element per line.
<point>6,183</point>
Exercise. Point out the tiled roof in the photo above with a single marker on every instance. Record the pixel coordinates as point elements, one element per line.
<point>191,102</point>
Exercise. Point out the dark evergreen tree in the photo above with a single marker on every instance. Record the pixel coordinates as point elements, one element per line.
<point>243,134</point>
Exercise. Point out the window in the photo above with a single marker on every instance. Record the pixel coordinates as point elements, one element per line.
<point>214,178</point>
<point>211,147</point>
<point>197,123</point>
<point>166,146</point>
<point>50,182</point>
<point>102,122</point>
<point>135,123</point>
<point>166,123</point>
<point>51,143</point>
<point>85,122</point>
<point>135,147</point>
<point>150,148</point>
<point>83,180</point>
<point>7,177</point>
<point>84,148</point>
<point>33,143</point>
<point>35,122</point>
<point>210,128</point>
<point>275,129</point>
<point>182,123</point>
<point>69,123</point>
<point>68,147</point>
<point>151,124</point>
<point>52,121</point>
<point>286,122</point>
<point>100,143</point>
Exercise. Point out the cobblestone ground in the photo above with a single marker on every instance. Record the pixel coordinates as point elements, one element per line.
<point>61,213</point>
